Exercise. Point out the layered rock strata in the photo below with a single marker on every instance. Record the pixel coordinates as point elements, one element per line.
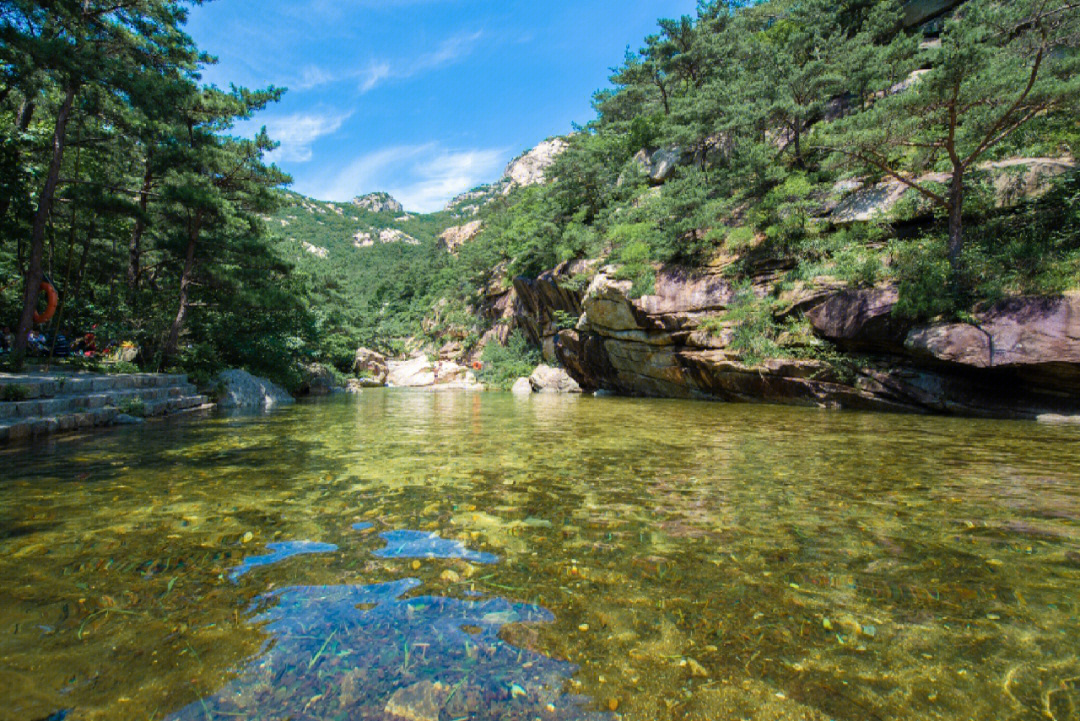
<point>1019,359</point>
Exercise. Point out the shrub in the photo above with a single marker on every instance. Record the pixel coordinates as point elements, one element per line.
<point>504,364</point>
<point>132,407</point>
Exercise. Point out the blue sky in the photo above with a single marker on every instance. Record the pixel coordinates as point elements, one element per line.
<point>420,98</point>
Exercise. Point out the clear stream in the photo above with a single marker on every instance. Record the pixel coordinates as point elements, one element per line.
<point>441,557</point>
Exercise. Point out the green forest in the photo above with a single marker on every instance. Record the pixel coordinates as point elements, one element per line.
<point>725,139</point>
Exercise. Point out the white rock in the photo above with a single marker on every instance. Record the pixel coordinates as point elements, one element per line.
<point>546,379</point>
<point>522,387</point>
<point>457,236</point>
<point>316,250</point>
<point>530,168</point>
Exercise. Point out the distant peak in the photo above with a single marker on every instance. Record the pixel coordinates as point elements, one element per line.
<point>378,203</point>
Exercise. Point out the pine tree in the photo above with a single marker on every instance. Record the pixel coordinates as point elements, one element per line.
<point>1001,65</point>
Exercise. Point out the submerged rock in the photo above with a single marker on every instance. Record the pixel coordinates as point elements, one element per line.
<point>243,390</point>
<point>420,702</point>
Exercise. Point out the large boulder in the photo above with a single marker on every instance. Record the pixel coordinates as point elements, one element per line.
<point>319,380</point>
<point>370,367</point>
<point>546,379</point>
<point>1016,333</point>
<point>860,320</point>
<point>241,390</point>
<point>659,165</point>
<point>522,387</point>
<point>419,372</point>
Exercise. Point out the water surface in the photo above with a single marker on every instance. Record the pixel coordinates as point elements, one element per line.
<point>480,556</point>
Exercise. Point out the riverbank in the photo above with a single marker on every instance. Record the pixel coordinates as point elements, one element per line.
<point>44,402</point>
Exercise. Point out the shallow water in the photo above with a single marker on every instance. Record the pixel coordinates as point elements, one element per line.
<point>480,556</point>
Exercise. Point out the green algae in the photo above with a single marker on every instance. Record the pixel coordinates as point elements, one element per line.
<point>690,553</point>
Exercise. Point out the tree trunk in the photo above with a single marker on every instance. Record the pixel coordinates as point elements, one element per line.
<point>135,246</point>
<point>956,219</point>
<point>172,345</point>
<point>798,143</point>
<point>41,219</point>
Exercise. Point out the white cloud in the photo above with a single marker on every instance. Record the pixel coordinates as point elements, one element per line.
<point>297,132</point>
<point>448,174</point>
<point>314,76</point>
<point>375,74</point>
<point>423,177</point>
<point>449,51</point>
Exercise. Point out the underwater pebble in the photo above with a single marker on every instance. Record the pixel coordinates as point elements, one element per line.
<point>826,624</point>
<point>696,669</point>
<point>869,630</point>
<point>613,704</point>
<point>450,576</point>
<point>583,627</point>
<point>416,565</point>
<point>247,537</point>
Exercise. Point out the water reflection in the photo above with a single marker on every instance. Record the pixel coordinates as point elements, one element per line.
<point>281,551</point>
<point>417,544</point>
<point>366,652</point>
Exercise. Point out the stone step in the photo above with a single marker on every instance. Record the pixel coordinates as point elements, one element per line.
<point>74,402</point>
<point>49,385</point>
<point>13,429</point>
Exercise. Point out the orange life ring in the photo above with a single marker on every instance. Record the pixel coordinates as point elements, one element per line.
<point>51,299</point>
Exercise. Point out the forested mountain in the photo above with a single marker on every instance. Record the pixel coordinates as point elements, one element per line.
<point>924,147</point>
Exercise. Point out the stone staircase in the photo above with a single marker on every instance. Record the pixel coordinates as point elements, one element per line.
<point>33,404</point>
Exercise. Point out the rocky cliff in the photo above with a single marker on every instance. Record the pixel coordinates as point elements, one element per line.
<point>1018,359</point>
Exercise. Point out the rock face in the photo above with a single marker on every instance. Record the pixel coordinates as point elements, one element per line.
<point>370,367</point>
<point>245,391</point>
<point>386,235</point>
<point>457,236</point>
<point>1022,360</point>
<point>1011,180</point>
<point>529,169</point>
<point>378,203</point>
<point>419,372</point>
<point>546,379</point>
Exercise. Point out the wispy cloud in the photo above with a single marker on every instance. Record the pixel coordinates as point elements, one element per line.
<point>423,177</point>
<point>447,174</point>
<point>378,71</point>
<point>448,52</point>
<point>297,132</point>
